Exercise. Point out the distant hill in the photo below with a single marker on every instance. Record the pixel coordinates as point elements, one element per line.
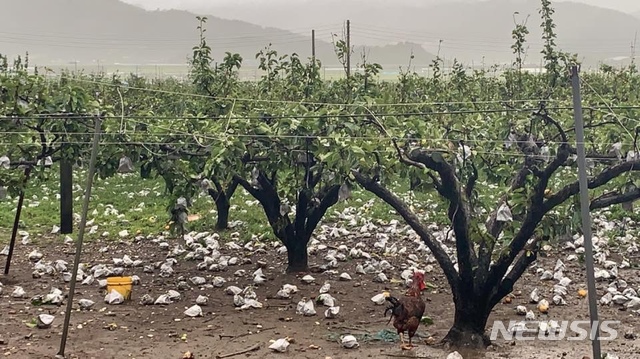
<point>471,30</point>
<point>110,31</point>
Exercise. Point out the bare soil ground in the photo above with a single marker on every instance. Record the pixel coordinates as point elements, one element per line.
<point>157,331</point>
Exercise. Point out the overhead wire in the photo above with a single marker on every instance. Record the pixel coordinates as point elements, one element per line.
<point>240,99</point>
<point>606,103</point>
<point>386,150</point>
<point>138,40</point>
<point>220,137</point>
<point>273,116</point>
<point>117,37</point>
<point>178,133</point>
<point>390,30</point>
<point>304,32</point>
<point>63,117</point>
<point>173,133</point>
<point>147,47</point>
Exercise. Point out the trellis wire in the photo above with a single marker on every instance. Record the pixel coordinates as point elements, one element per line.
<point>221,137</point>
<point>582,80</point>
<point>62,116</point>
<point>239,99</point>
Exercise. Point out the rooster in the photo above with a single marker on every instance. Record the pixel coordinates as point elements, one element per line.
<point>407,311</point>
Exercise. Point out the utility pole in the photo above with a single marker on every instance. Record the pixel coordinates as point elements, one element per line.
<point>313,46</point>
<point>586,215</point>
<point>348,48</point>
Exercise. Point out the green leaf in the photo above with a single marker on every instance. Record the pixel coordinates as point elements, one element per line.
<point>426,320</point>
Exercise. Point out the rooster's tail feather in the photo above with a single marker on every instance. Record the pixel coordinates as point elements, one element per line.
<point>395,303</point>
<point>393,300</point>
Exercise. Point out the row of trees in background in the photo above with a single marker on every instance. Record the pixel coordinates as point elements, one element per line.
<point>299,145</point>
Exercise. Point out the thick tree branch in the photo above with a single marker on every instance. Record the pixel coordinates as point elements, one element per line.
<point>307,214</point>
<point>215,195</point>
<point>401,154</point>
<point>43,137</point>
<point>535,211</point>
<point>564,151</point>
<point>268,197</point>
<point>412,220</point>
<point>181,152</point>
<point>315,214</point>
<point>471,182</point>
<point>458,212</point>
<point>611,198</point>
<point>600,180</point>
<point>219,188</point>
<point>231,187</point>
<point>247,158</point>
<point>530,223</point>
<point>33,163</point>
<point>220,192</point>
<point>586,126</point>
<point>495,227</point>
<point>248,187</point>
<point>314,179</point>
<point>548,119</point>
<point>506,285</point>
<point>436,184</point>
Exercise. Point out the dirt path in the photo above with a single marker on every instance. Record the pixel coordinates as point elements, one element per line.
<point>132,330</point>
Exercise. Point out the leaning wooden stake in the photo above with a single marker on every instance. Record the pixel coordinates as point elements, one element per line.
<point>16,222</point>
<point>83,223</point>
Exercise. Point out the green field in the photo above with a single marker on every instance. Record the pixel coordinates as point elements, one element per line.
<point>128,203</point>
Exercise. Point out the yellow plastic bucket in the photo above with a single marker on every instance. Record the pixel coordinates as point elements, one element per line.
<point>121,285</point>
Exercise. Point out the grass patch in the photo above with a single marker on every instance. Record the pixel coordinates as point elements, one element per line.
<point>128,202</point>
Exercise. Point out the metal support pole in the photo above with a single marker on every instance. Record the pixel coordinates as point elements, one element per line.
<point>83,224</point>
<point>586,215</point>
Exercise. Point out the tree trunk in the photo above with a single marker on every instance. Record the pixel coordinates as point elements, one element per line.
<point>297,256</point>
<point>222,206</point>
<point>169,185</point>
<point>222,199</point>
<point>468,330</point>
<point>66,196</point>
<point>145,170</point>
<point>295,235</point>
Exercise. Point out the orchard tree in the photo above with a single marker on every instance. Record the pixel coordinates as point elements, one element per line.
<point>180,160</point>
<point>45,122</point>
<point>286,78</point>
<point>294,159</point>
<point>295,164</point>
<point>494,245</point>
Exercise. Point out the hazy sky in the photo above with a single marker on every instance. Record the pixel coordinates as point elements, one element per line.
<point>623,5</point>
